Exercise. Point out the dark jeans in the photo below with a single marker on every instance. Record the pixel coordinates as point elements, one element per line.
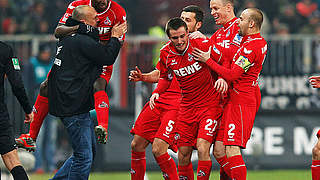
<point>81,133</point>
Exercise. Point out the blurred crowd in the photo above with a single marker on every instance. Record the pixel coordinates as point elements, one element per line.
<point>42,16</point>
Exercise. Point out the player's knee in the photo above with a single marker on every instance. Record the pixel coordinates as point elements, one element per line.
<point>219,151</point>
<point>158,150</point>
<point>184,157</point>
<point>316,152</point>
<point>99,85</point>
<point>136,146</point>
<point>44,88</point>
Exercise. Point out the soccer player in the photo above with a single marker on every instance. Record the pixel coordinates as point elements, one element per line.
<point>315,167</point>
<point>199,112</point>
<point>109,14</point>
<point>152,125</point>
<point>241,108</point>
<point>228,41</point>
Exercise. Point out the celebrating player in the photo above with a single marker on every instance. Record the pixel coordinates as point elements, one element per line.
<point>199,112</point>
<point>241,108</point>
<point>152,125</point>
<point>109,14</point>
<point>228,41</point>
<point>315,167</point>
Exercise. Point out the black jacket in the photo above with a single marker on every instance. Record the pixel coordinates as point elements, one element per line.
<point>9,66</point>
<point>77,65</point>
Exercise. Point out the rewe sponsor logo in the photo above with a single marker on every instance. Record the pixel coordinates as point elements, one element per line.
<point>188,69</point>
<point>103,30</point>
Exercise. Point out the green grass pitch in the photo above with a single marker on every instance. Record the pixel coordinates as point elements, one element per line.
<point>252,175</point>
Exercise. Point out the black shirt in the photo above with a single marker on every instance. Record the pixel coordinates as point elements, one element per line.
<point>9,66</point>
<point>77,65</point>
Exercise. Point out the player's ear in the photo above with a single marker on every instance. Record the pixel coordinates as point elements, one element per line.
<point>198,25</point>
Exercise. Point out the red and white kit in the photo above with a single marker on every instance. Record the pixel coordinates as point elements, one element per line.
<point>241,109</point>
<point>107,19</point>
<point>228,41</point>
<point>199,111</point>
<point>161,121</point>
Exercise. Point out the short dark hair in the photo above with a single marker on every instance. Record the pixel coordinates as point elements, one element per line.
<point>256,16</point>
<point>175,24</point>
<point>195,9</point>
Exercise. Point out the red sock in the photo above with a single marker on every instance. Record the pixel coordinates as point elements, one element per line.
<point>315,169</point>
<point>138,165</point>
<point>204,169</point>
<point>168,166</point>
<point>101,104</point>
<point>225,172</point>
<point>40,111</point>
<point>238,168</point>
<point>186,172</point>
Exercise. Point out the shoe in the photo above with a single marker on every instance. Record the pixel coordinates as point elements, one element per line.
<point>101,134</point>
<point>26,142</point>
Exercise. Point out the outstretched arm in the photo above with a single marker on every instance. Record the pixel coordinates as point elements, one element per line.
<point>137,75</point>
<point>225,73</point>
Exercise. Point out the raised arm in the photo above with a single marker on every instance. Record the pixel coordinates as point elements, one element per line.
<point>137,75</point>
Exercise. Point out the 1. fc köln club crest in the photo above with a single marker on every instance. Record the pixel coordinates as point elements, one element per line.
<point>107,21</point>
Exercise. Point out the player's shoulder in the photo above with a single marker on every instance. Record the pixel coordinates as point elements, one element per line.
<point>202,44</point>
<point>165,48</point>
<point>116,7</point>
<point>5,48</point>
<point>76,3</point>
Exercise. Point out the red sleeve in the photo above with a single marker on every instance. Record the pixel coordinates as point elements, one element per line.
<point>121,17</point>
<point>68,13</point>
<point>225,73</point>
<point>165,80</point>
<point>163,85</point>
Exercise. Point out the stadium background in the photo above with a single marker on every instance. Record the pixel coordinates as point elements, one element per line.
<point>288,118</point>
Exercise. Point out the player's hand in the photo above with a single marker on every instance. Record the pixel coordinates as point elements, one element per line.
<point>152,103</point>
<point>28,118</point>
<point>221,85</point>
<point>197,34</point>
<point>314,81</point>
<point>119,30</point>
<point>201,56</point>
<point>135,75</point>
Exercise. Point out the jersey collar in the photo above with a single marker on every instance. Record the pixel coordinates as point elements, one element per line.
<point>230,23</point>
<point>174,50</point>
<point>251,37</point>
<point>109,5</point>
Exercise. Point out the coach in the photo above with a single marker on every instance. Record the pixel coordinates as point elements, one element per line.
<point>78,62</point>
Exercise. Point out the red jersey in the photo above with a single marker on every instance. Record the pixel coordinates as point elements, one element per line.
<point>194,78</point>
<point>172,96</point>
<point>250,58</point>
<point>227,40</point>
<point>107,19</point>
<point>245,69</point>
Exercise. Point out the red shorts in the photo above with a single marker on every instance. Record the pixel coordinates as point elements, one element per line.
<point>106,73</point>
<point>220,130</point>
<point>194,123</point>
<point>239,119</point>
<point>157,123</point>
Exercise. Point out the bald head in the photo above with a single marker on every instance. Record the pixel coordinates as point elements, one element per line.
<point>85,14</point>
<point>228,1</point>
<point>256,16</point>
